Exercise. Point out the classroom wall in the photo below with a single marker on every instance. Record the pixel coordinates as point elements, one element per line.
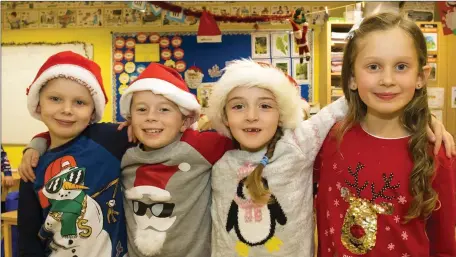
<point>101,40</point>
<point>449,81</point>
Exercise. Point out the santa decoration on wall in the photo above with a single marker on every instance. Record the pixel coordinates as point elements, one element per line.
<point>300,33</point>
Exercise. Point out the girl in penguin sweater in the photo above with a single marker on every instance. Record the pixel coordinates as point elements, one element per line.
<point>262,191</point>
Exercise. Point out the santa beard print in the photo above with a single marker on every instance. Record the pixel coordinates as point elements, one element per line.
<point>149,241</point>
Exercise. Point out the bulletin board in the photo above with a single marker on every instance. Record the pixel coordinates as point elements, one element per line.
<point>133,52</point>
<point>20,64</point>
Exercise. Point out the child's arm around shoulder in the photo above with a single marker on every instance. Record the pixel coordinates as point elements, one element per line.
<point>108,135</point>
<point>105,134</point>
<point>209,144</point>
<point>311,133</point>
<point>441,225</point>
<point>29,220</point>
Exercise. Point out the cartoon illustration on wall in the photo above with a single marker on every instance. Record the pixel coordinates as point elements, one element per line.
<point>75,219</point>
<point>254,224</point>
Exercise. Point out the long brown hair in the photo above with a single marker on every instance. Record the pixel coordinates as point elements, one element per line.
<point>254,183</point>
<point>416,115</point>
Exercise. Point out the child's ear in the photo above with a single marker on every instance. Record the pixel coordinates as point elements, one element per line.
<point>38,109</point>
<point>352,84</point>
<point>186,123</point>
<point>423,77</point>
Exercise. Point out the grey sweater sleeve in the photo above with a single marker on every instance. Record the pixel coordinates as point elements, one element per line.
<point>38,143</point>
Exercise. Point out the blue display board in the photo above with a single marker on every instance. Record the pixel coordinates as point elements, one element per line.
<point>205,56</point>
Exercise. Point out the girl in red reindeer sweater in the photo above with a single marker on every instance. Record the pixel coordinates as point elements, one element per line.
<point>381,191</point>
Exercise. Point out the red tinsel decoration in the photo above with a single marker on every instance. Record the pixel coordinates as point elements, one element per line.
<point>230,18</point>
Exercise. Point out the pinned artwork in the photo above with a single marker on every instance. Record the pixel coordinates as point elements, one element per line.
<point>194,77</point>
<point>113,17</point>
<point>261,45</point>
<point>66,18</point>
<point>280,44</point>
<point>89,18</point>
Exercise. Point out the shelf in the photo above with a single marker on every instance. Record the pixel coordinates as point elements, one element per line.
<point>340,44</point>
<point>336,74</point>
<point>342,25</point>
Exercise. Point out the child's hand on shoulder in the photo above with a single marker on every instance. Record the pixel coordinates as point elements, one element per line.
<point>131,135</point>
<point>437,133</point>
<point>28,162</point>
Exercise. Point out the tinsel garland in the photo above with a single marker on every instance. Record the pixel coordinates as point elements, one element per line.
<point>228,18</point>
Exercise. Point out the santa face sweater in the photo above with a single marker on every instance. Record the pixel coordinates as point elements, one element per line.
<point>284,227</point>
<point>167,195</point>
<point>363,196</point>
<point>75,207</point>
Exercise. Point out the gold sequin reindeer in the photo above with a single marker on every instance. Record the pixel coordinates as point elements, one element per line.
<point>359,231</point>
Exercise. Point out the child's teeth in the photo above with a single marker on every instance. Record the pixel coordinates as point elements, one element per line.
<point>153,130</point>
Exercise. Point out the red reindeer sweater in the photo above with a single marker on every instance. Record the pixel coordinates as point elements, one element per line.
<point>363,196</point>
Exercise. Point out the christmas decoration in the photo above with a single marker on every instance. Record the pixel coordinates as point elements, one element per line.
<point>300,34</point>
<point>208,30</point>
<point>194,77</point>
<point>448,13</point>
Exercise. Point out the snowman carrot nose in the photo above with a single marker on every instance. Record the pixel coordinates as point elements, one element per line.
<point>70,186</point>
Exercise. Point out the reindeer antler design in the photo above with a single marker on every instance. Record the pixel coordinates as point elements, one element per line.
<point>355,185</point>
<point>387,185</point>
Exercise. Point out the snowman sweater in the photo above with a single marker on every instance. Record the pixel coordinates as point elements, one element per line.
<point>167,195</point>
<point>284,227</point>
<point>363,196</point>
<point>75,206</point>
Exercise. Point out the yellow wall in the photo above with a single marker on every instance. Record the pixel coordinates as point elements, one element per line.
<point>101,40</point>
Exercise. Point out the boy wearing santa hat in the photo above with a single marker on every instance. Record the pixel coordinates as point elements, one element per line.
<point>74,207</point>
<point>167,177</point>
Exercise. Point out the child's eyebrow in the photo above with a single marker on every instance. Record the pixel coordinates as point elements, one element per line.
<point>236,98</point>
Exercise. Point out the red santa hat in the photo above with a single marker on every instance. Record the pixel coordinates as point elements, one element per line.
<point>151,181</point>
<point>248,73</point>
<point>208,30</point>
<point>72,66</point>
<point>166,81</point>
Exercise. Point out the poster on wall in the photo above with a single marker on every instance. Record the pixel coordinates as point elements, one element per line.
<point>90,18</point>
<point>48,19</point>
<point>447,10</point>
<point>283,64</point>
<point>300,71</point>
<point>66,18</point>
<point>280,44</point>
<point>430,34</point>
<point>132,17</point>
<point>436,97</point>
<point>113,16</point>
<point>21,19</point>
<point>261,45</point>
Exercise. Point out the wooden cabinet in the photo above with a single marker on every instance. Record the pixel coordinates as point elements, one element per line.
<point>332,45</point>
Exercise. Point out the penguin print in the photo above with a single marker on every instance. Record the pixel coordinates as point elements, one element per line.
<point>254,224</point>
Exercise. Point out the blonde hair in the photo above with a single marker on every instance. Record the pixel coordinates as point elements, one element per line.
<point>416,114</point>
<point>254,183</point>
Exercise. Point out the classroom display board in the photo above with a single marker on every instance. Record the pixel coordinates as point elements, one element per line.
<point>20,64</point>
<point>201,64</point>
